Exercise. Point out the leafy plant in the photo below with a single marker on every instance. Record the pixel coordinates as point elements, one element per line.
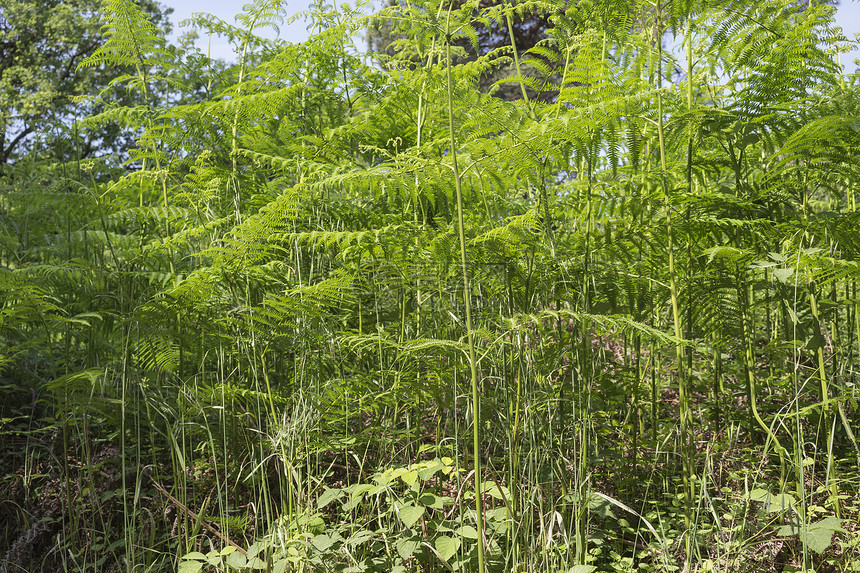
<point>359,313</point>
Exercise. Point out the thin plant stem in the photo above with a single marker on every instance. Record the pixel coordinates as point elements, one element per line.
<point>467,295</point>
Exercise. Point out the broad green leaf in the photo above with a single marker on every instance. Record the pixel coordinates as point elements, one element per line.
<point>255,563</point>
<point>214,557</point>
<point>785,276</point>
<point>376,489</point>
<point>818,536</point>
<point>832,523</point>
<point>409,514</point>
<point>359,537</point>
<point>581,569</point>
<point>431,469</point>
<point>194,555</point>
<point>316,524</point>
<point>406,547</point>
<point>792,314</point>
<point>257,547</point>
<point>236,560</point>
<point>395,473</point>
<point>772,503</point>
<point>322,542</point>
<point>815,342</point>
<point>819,539</point>
<point>427,499</point>
<point>493,490</point>
<point>600,507</point>
<point>781,502</point>
<point>441,525</point>
<point>353,502</point>
<point>447,546</point>
<point>409,478</point>
<point>467,531</point>
<point>358,490</point>
<point>329,495</point>
<point>190,566</point>
<point>356,495</point>
<point>497,514</point>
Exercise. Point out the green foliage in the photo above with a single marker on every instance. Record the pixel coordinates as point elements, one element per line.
<point>392,521</point>
<point>42,45</point>
<point>252,347</point>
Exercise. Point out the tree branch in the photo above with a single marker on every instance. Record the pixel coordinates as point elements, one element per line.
<point>8,151</point>
<point>197,518</point>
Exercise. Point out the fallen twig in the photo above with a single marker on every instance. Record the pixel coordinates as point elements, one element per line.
<point>197,518</point>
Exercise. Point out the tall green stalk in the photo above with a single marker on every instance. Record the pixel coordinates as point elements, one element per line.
<point>467,296</point>
<point>525,94</point>
<point>821,370</point>
<point>683,391</point>
<point>749,366</point>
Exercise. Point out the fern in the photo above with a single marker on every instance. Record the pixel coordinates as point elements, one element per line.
<point>132,40</point>
<point>273,283</point>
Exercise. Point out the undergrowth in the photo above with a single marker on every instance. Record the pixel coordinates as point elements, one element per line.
<point>357,312</point>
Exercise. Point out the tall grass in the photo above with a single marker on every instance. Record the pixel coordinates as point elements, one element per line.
<point>354,317</point>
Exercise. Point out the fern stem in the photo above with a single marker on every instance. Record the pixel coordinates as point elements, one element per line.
<point>510,23</point>
<point>744,295</point>
<point>683,392</point>
<point>467,295</point>
<point>824,422</point>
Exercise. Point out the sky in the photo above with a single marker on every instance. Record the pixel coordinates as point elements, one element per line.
<point>226,10</point>
<point>847,16</point>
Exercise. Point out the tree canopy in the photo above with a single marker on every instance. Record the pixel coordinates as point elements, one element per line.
<point>42,43</point>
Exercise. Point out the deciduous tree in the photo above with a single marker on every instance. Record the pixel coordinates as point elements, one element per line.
<point>41,46</point>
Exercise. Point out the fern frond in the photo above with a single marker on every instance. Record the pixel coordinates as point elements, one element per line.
<point>132,39</point>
